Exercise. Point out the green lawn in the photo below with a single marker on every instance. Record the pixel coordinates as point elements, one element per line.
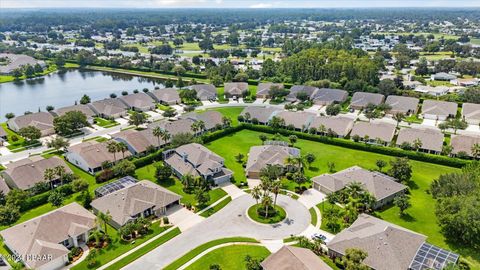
<point>144,250</point>
<point>8,78</point>
<point>194,252</point>
<point>118,247</point>
<point>313,215</point>
<point>18,144</point>
<point>174,185</point>
<point>217,207</point>
<point>230,257</point>
<point>421,216</point>
<point>105,123</point>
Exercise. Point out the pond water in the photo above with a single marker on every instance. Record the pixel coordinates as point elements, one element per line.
<point>64,88</point>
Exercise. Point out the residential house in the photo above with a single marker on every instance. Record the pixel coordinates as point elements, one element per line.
<point>263,89</point>
<point>438,110</point>
<point>294,258</point>
<point>41,120</point>
<point>383,187</point>
<point>336,126</point>
<point>465,82</point>
<point>464,144</point>
<point>140,102</point>
<point>91,155</point>
<point>109,108</point>
<point>43,242</point>
<point>435,91</point>
<point>85,109</point>
<point>360,100</point>
<point>235,89</point>
<point>16,61</point>
<point>168,96</point>
<point>270,154</point>
<point>471,113</point>
<point>205,91</point>
<point>197,160</point>
<point>442,76</point>
<point>4,188</point>
<point>389,246</point>
<point>259,114</point>
<point>401,104</point>
<point>431,140</point>
<point>373,132</point>
<point>308,90</point>
<point>298,120</point>
<point>174,127</point>
<point>211,119</point>
<point>142,199</point>
<point>327,96</point>
<point>3,135</point>
<point>138,142</point>
<point>25,173</point>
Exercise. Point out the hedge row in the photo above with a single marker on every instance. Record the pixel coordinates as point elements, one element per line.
<point>41,199</point>
<point>212,136</point>
<point>437,159</point>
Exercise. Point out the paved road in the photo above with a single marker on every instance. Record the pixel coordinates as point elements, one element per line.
<point>231,221</point>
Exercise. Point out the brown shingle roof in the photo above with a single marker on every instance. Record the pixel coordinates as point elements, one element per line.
<point>174,127</point>
<point>263,155</point>
<point>95,153</point>
<point>262,114</point>
<point>377,184</point>
<point>340,125</point>
<point>402,104</point>
<point>464,143</point>
<point>125,203</point>
<point>27,172</point>
<point>471,111</point>
<point>41,120</point>
<point>109,106</point>
<point>167,95</point>
<point>210,118</point>
<point>42,235</point>
<point>437,107</point>
<point>80,107</point>
<point>328,95</point>
<point>264,88</point>
<point>236,88</point>
<point>389,247</point>
<point>294,258</point>
<point>362,99</point>
<point>205,91</point>
<point>138,140</point>
<point>300,120</point>
<point>374,130</point>
<point>138,100</point>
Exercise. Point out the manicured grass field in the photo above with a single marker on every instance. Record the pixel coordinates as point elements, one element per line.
<point>253,213</point>
<point>231,112</point>
<point>174,185</point>
<point>217,207</point>
<point>194,252</point>
<point>118,247</point>
<point>230,257</point>
<point>105,123</point>
<point>144,250</point>
<point>18,144</point>
<point>420,217</point>
<point>313,215</point>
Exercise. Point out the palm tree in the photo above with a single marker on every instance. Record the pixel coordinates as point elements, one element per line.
<point>398,117</point>
<point>300,162</point>
<point>354,189</point>
<point>256,193</point>
<point>105,218</point>
<point>187,181</point>
<point>157,132</point>
<point>60,172</point>
<point>247,116</point>
<point>195,127</point>
<point>476,150</point>
<point>275,189</point>
<point>226,121</point>
<point>49,175</point>
<point>201,126</point>
<point>97,235</point>
<point>266,202</point>
<point>122,147</point>
<point>417,144</point>
<point>113,148</point>
<point>322,129</point>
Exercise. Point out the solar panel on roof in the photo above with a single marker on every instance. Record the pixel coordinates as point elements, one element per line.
<point>114,186</point>
<point>431,257</point>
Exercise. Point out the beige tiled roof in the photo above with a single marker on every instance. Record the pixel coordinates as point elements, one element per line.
<point>95,153</point>
<point>374,130</point>
<point>471,111</point>
<point>437,107</point>
<point>138,140</point>
<point>340,125</point>
<point>41,120</point>
<point>210,118</point>
<point>174,127</point>
<point>236,88</point>
<point>309,90</point>
<point>27,172</point>
<point>294,258</point>
<point>378,184</point>
<point>167,95</point>
<point>389,247</point>
<point>125,203</point>
<point>3,186</point>
<point>205,91</point>
<point>362,99</point>
<point>431,139</point>
<point>80,107</point>
<point>464,143</point>
<point>299,120</point>
<point>262,114</point>
<point>263,155</point>
<point>330,95</point>
<point>3,133</point>
<point>402,104</point>
<point>138,100</point>
<point>109,106</point>
<point>43,235</point>
<point>264,88</point>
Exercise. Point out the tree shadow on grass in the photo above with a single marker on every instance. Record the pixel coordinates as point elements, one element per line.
<point>168,183</point>
<point>408,218</point>
<point>313,169</point>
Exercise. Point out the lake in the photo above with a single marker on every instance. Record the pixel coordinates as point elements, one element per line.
<point>64,88</point>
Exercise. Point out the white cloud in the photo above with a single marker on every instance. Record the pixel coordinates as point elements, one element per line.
<point>261,5</point>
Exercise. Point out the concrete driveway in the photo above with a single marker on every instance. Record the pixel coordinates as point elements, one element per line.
<point>231,221</point>
<point>311,197</point>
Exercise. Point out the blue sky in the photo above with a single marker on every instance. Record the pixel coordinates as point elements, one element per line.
<point>234,4</point>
